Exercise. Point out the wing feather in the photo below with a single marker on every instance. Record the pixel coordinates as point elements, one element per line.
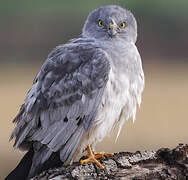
<point>71,145</point>
<point>64,98</point>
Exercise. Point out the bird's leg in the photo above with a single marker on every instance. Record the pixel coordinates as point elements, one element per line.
<point>92,157</point>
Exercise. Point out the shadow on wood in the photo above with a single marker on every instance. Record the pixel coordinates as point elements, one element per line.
<point>164,164</point>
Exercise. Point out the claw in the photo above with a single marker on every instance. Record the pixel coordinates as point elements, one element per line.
<point>102,155</point>
<point>93,156</point>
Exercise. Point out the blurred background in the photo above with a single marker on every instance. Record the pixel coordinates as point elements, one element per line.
<point>29,30</point>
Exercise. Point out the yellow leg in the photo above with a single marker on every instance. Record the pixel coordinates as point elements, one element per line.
<point>92,157</point>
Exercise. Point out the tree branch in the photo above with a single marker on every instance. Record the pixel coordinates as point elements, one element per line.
<point>162,164</point>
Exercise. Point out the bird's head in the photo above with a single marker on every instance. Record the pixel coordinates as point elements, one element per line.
<point>111,22</point>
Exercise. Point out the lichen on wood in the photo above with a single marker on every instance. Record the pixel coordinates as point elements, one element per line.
<point>164,164</point>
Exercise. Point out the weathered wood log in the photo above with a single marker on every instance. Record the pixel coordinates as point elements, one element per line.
<point>164,164</point>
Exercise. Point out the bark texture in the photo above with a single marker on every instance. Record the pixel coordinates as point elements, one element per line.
<point>164,164</point>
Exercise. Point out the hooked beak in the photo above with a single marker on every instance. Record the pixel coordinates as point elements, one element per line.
<point>112,31</point>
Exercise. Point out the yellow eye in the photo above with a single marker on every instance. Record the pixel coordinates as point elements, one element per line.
<point>100,23</point>
<point>123,25</point>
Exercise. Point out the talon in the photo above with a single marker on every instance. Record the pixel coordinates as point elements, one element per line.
<point>102,155</point>
<point>93,156</point>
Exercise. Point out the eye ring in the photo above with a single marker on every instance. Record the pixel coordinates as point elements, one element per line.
<point>100,23</point>
<point>123,25</point>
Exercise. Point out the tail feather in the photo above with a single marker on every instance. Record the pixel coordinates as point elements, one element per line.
<point>40,157</point>
<point>23,168</point>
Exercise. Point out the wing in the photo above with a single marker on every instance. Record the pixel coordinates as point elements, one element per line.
<point>63,101</point>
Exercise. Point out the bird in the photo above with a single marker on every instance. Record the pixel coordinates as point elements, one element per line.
<point>84,89</point>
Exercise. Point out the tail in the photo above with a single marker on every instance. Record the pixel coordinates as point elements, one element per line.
<point>25,169</point>
<point>40,157</point>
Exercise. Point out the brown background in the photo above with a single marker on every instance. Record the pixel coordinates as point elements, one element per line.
<point>30,29</point>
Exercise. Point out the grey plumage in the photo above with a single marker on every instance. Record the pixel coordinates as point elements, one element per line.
<point>83,89</point>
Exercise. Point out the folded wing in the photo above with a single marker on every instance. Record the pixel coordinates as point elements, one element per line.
<point>63,101</point>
